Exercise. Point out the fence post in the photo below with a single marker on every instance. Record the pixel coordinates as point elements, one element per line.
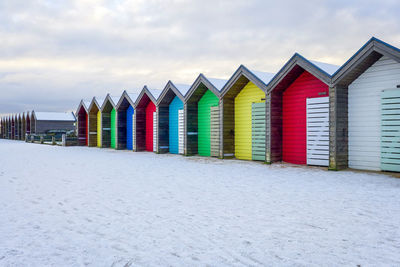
<point>41,139</point>
<point>64,140</point>
<point>53,140</point>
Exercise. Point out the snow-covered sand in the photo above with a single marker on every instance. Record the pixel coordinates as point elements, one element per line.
<point>77,206</point>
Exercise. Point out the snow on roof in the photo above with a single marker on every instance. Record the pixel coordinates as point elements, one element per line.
<point>182,88</point>
<point>155,93</point>
<point>328,68</point>
<point>218,83</point>
<point>54,116</point>
<point>265,77</point>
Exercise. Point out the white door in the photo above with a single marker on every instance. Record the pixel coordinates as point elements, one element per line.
<point>181,130</point>
<point>318,131</point>
<point>154,131</point>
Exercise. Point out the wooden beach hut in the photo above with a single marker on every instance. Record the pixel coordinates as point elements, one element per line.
<point>145,120</point>
<point>244,115</point>
<point>365,105</point>
<point>125,111</point>
<point>299,112</point>
<point>201,119</point>
<point>94,121</point>
<point>108,122</point>
<point>170,112</point>
<point>82,118</point>
<point>42,122</point>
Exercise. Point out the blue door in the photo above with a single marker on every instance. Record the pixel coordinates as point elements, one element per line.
<point>129,134</point>
<point>174,108</point>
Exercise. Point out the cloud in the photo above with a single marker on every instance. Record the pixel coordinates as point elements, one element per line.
<point>53,53</point>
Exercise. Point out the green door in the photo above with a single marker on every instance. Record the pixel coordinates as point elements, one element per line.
<point>390,130</point>
<point>258,131</point>
<point>113,128</point>
<point>207,101</point>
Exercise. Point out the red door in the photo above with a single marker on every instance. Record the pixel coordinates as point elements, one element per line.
<point>149,126</point>
<point>294,142</point>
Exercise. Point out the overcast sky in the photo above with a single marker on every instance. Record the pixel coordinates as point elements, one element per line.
<point>55,52</point>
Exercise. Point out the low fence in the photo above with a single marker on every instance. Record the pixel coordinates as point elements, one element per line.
<point>63,140</point>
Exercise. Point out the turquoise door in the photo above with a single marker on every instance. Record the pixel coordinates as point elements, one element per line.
<point>390,130</point>
<point>174,107</point>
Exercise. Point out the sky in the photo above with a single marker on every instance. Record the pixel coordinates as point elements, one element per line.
<point>53,53</point>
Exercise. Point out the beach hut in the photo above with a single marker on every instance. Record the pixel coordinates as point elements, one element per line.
<point>28,122</point>
<point>244,115</point>
<point>108,122</point>
<point>42,122</point>
<point>170,111</point>
<point>94,121</point>
<point>125,111</point>
<point>299,112</point>
<point>145,120</point>
<point>201,117</point>
<point>82,118</point>
<point>365,105</point>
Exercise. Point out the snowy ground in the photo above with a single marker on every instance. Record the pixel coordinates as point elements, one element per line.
<point>79,206</point>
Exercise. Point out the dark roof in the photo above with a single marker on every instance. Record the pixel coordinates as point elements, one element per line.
<point>295,66</point>
<point>365,57</point>
<point>212,84</point>
<point>242,76</point>
<point>166,97</point>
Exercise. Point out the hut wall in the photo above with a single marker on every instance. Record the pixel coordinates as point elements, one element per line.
<point>129,128</point>
<point>82,127</point>
<point>174,108</point>
<point>191,128</point>
<point>205,103</point>
<point>44,126</point>
<point>365,124</point>
<point>23,128</point>
<point>92,129</point>
<point>228,132</point>
<point>243,119</point>
<point>106,129</point>
<point>294,122</point>
<point>150,109</point>
<point>113,128</point>
<point>275,124</point>
<point>33,125</point>
<point>163,129</point>
<point>28,125</point>
<point>16,128</point>
<point>99,129</point>
<point>140,128</point>
<point>122,128</point>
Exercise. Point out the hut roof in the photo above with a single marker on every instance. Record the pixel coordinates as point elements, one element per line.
<point>54,116</point>
<point>367,55</point>
<point>242,76</point>
<point>295,66</point>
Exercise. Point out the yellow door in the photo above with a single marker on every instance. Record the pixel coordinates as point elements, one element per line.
<point>249,94</point>
<point>98,129</point>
